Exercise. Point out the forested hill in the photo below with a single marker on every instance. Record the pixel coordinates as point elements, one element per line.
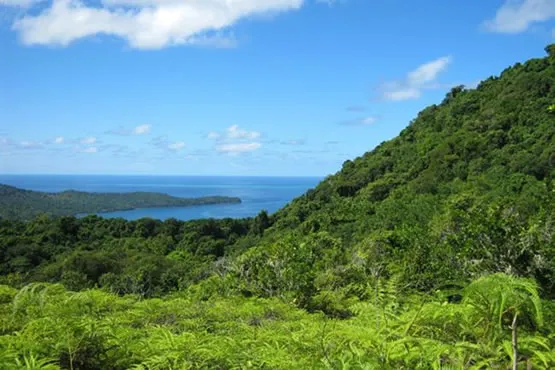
<point>494,141</point>
<point>26,204</point>
<point>436,250</point>
<point>460,191</point>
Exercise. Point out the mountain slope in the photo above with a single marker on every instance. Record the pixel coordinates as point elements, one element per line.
<point>464,190</point>
<point>498,134</point>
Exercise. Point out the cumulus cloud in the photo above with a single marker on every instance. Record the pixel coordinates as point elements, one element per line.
<point>163,143</point>
<point>178,145</point>
<point>428,72</point>
<point>8,145</point>
<point>59,140</point>
<point>369,120</point>
<point>91,149</point>
<point>234,132</point>
<point>365,121</point>
<point>238,148</point>
<point>88,140</point>
<point>30,145</point>
<point>143,24</point>
<point>296,142</point>
<point>138,130</point>
<point>416,81</point>
<point>213,135</point>
<point>141,130</point>
<point>516,16</point>
<point>395,92</point>
<point>235,140</point>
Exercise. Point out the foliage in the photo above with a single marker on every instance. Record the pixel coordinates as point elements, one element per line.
<point>466,188</point>
<point>45,326</point>
<point>146,257</point>
<point>436,250</point>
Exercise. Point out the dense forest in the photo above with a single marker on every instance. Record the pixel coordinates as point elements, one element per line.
<point>26,204</point>
<point>435,250</point>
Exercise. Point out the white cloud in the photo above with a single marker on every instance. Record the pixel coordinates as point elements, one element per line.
<point>144,24</point>
<point>91,149</point>
<point>235,140</point>
<point>234,132</point>
<point>8,145</point>
<point>141,130</point>
<point>297,142</point>
<point>138,130</point>
<point>369,120</point>
<point>164,144</point>
<point>428,72</point>
<point>516,16</point>
<point>178,145</point>
<point>238,148</point>
<point>401,93</point>
<point>59,140</point>
<point>423,77</point>
<point>366,121</point>
<point>213,135</point>
<point>30,145</point>
<point>88,140</point>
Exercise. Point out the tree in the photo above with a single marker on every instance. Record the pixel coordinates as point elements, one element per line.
<point>261,222</point>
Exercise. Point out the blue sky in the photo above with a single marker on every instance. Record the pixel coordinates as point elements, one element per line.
<point>238,87</point>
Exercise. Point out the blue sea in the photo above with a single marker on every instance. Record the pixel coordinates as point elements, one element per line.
<point>256,193</point>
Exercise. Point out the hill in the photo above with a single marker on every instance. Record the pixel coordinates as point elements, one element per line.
<point>457,193</point>
<point>26,204</point>
<point>435,250</point>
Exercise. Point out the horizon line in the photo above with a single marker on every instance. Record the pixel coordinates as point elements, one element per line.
<point>151,175</point>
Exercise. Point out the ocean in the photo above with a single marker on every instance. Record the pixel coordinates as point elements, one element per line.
<point>256,193</point>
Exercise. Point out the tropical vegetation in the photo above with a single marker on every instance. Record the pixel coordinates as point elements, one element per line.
<point>436,250</point>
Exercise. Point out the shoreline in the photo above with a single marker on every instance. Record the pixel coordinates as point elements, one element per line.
<point>96,213</point>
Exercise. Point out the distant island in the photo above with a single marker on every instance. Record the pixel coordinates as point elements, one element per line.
<point>16,203</point>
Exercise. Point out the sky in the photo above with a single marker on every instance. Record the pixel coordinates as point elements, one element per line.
<point>238,87</point>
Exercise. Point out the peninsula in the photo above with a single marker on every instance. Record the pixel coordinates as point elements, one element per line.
<point>16,203</point>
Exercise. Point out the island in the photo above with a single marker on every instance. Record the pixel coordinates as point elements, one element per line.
<point>16,203</point>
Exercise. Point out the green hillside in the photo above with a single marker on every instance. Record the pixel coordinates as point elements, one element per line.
<point>26,204</point>
<point>476,169</point>
<point>436,250</point>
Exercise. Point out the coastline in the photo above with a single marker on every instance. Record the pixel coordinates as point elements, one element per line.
<point>81,214</point>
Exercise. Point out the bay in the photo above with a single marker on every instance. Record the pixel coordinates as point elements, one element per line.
<point>256,193</point>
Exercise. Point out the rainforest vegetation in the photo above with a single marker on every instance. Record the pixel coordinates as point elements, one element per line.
<point>26,204</point>
<point>435,250</point>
